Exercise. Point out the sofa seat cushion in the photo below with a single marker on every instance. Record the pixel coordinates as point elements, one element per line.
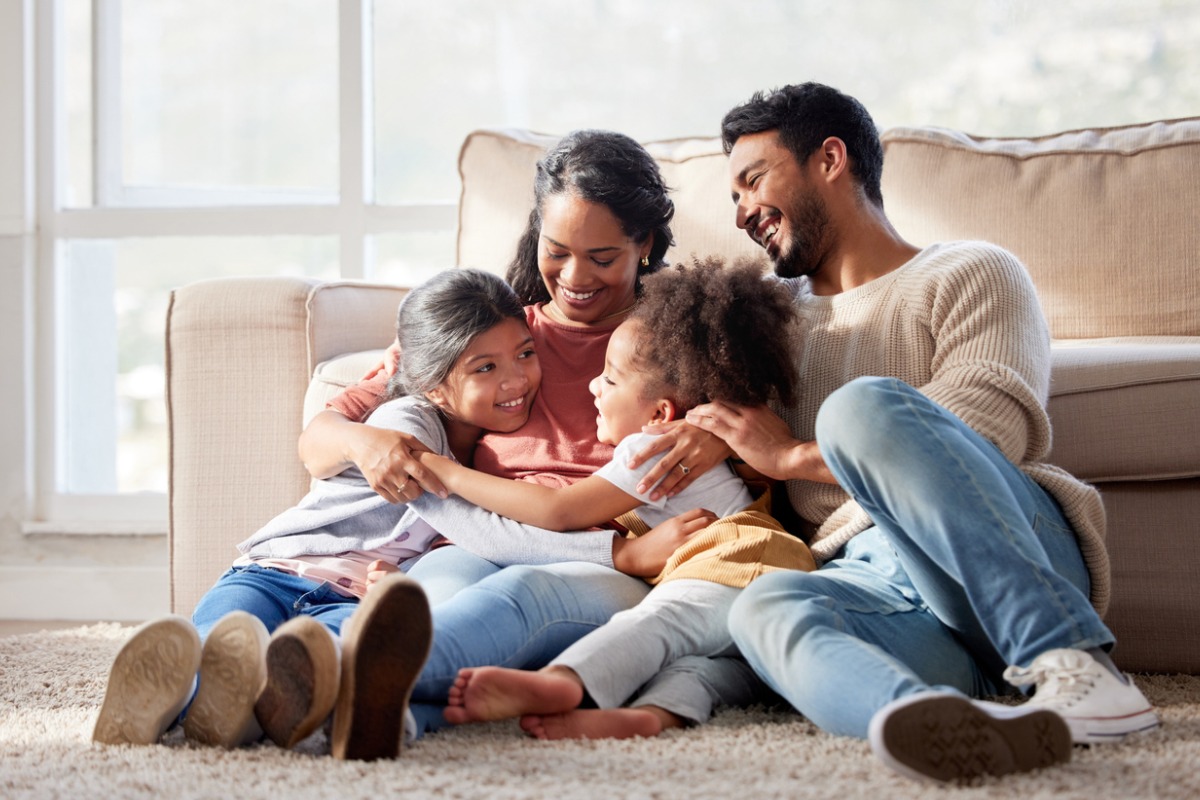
<point>1126,408</point>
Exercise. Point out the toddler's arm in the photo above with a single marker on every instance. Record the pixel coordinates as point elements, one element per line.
<point>591,501</point>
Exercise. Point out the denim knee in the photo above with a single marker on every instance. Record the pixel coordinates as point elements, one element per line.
<point>855,413</point>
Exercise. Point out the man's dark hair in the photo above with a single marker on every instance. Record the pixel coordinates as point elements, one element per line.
<point>805,115</point>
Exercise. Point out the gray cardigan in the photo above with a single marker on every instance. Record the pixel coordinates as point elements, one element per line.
<point>344,513</point>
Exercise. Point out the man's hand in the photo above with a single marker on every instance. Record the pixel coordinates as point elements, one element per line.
<point>645,556</point>
<point>690,452</point>
<point>760,438</point>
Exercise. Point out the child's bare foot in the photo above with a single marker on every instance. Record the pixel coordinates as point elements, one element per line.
<point>489,693</point>
<point>589,723</point>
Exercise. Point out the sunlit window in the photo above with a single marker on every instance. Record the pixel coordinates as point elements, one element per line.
<point>320,138</point>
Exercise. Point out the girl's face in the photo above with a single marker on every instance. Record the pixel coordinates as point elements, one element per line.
<point>493,383</point>
<point>622,391</point>
<point>587,262</point>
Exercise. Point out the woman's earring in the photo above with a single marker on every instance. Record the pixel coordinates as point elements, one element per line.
<point>645,261</point>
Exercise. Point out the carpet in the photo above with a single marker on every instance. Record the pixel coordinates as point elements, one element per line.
<point>52,683</point>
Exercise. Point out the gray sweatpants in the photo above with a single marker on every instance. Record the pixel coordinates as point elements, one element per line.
<point>676,644</point>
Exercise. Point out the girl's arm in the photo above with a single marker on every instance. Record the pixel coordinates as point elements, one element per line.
<point>591,501</point>
<point>332,442</point>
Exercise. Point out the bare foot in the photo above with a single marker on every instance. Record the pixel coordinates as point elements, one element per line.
<point>588,723</point>
<point>488,693</point>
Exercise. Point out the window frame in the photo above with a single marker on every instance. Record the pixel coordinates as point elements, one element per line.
<point>119,212</point>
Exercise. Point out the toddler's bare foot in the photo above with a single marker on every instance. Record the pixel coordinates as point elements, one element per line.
<point>489,693</point>
<point>613,723</point>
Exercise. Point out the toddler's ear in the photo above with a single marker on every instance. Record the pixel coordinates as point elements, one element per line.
<point>664,411</point>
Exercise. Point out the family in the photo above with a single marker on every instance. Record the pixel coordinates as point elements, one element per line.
<point>558,498</point>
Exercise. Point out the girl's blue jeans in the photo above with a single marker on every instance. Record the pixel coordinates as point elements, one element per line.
<point>272,596</point>
<point>969,566</point>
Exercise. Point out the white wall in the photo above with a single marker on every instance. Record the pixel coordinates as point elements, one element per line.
<point>42,575</point>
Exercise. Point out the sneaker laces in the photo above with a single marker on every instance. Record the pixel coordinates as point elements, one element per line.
<point>1061,680</point>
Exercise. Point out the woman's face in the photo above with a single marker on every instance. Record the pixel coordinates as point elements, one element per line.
<point>587,262</point>
<point>494,381</point>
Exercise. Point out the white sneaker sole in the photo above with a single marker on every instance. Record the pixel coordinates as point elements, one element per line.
<point>948,738</point>
<point>1093,730</point>
<point>232,673</point>
<point>150,682</point>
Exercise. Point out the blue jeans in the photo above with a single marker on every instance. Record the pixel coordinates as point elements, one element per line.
<point>272,596</point>
<point>520,617</point>
<point>970,566</point>
<point>445,571</point>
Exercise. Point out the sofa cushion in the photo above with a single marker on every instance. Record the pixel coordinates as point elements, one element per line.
<point>1104,219</point>
<point>1124,409</point>
<point>497,168</point>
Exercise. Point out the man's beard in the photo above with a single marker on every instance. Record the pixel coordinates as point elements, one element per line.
<point>808,224</point>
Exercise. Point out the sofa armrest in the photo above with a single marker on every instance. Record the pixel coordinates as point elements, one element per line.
<point>240,353</point>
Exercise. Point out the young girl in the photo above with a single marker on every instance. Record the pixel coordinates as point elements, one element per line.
<point>701,334</point>
<point>469,366</point>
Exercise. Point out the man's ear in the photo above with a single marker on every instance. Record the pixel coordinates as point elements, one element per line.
<point>834,158</point>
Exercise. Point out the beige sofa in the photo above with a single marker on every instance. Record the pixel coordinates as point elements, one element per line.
<point>1108,222</point>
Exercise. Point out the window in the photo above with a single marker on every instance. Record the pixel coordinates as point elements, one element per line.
<point>191,140</point>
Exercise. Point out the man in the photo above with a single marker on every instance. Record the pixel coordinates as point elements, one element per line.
<point>950,550</point>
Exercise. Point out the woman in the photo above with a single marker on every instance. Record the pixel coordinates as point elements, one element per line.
<point>601,220</point>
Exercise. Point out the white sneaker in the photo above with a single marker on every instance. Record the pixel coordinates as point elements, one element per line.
<point>303,674</point>
<point>150,682</point>
<point>232,673</point>
<point>944,736</point>
<point>1097,705</point>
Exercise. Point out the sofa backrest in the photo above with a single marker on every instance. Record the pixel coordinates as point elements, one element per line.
<point>1104,219</point>
<point>497,169</point>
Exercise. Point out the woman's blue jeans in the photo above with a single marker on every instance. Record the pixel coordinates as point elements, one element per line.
<point>519,617</point>
<point>970,566</point>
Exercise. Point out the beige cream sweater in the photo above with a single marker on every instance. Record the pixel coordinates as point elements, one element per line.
<point>962,323</point>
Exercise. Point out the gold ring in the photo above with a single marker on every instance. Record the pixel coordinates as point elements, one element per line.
<point>683,469</point>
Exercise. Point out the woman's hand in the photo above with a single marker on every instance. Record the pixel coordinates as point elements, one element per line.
<point>389,364</point>
<point>388,460</point>
<point>645,556</point>
<point>690,452</point>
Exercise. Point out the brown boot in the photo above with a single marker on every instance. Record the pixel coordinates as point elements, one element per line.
<point>303,675</point>
<point>384,646</point>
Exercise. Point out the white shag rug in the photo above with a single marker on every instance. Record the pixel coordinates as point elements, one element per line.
<point>52,683</point>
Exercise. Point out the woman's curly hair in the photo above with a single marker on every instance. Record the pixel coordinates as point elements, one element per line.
<point>717,332</point>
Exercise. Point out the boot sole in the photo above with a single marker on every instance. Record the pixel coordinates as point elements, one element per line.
<point>302,682</point>
<point>149,683</point>
<point>232,673</point>
<point>383,652</point>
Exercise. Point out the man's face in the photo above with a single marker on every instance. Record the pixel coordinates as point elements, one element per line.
<point>777,205</point>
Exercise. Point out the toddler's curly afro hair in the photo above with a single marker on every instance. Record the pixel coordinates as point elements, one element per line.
<point>717,332</point>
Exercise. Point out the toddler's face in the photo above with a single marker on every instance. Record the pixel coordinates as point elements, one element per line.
<point>620,392</point>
